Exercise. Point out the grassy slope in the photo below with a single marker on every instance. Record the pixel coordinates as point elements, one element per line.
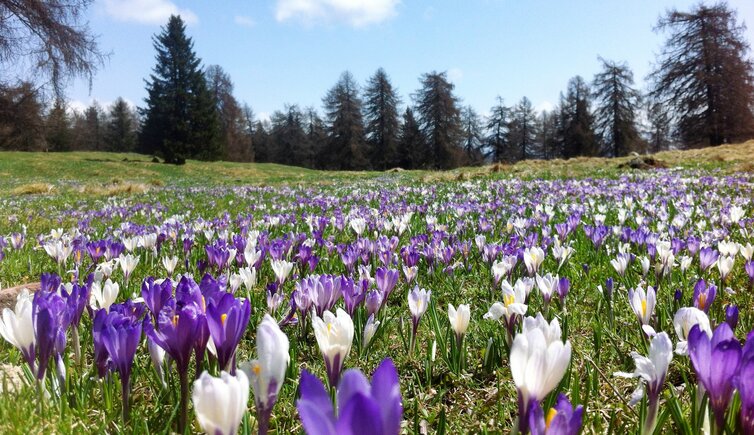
<point>95,172</point>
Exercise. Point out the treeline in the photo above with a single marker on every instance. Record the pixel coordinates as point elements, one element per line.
<point>701,92</point>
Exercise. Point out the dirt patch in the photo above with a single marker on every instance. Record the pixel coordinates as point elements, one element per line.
<point>643,163</point>
<point>8,295</point>
<point>11,378</point>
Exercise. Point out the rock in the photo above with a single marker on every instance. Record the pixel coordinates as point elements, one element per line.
<point>643,163</point>
<point>8,295</point>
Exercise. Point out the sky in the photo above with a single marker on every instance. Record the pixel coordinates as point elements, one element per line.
<point>281,52</point>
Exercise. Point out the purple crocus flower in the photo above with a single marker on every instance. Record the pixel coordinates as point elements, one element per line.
<point>386,280</point>
<point>707,257</point>
<point>374,408</point>
<point>562,419</point>
<point>704,295</point>
<point>51,319</point>
<point>121,336</point>
<point>101,357</point>
<point>373,302</point>
<point>97,249</point>
<point>177,332</point>
<point>715,361</point>
<point>749,267</point>
<point>227,321</point>
<point>353,294</point>
<point>745,384</point>
<point>731,316</point>
<point>49,282</point>
<point>156,295</point>
<point>563,286</point>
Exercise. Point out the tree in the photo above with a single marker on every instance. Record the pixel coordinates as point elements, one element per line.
<point>316,135</point>
<point>577,122</point>
<point>381,120</point>
<point>617,103</point>
<point>47,39</point>
<point>180,120</point>
<point>288,139</point>
<point>548,134</point>
<point>120,132</point>
<point>472,136</point>
<point>58,128</point>
<point>497,131</point>
<point>411,145</point>
<point>93,137</point>
<point>236,142</point>
<point>21,120</point>
<point>660,126</point>
<point>345,126</point>
<point>704,76</point>
<point>439,120</point>
<point>522,134</point>
<point>249,129</point>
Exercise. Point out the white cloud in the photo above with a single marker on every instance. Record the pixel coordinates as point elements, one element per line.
<point>544,105</point>
<point>357,13</point>
<point>455,75</point>
<point>244,21</point>
<point>147,11</point>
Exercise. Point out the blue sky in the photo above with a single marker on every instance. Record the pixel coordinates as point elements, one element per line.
<point>292,51</point>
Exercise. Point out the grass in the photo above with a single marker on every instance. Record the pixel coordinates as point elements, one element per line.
<point>98,192</point>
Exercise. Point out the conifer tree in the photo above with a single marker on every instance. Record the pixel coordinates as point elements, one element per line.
<point>616,105</point>
<point>381,120</point>
<point>439,120</point>
<point>345,126</point>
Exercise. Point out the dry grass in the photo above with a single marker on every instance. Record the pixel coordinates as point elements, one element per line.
<point>33,189</point>
<point>120,188</point>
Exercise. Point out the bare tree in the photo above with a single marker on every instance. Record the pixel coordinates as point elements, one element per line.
<point>48,40</point>
<point>704,76</point>
<point>617,103</point>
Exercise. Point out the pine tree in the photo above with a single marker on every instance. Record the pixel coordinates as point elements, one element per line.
<point>316,134</point>
<point>381,120</point>
<point>235,141</point>
<point>497,131</point>
<point>472,136</point>
<point>548,134</point>
<point>346,148</point>
<point>617,103</point>
<point>58,128</point>
<point>660,126</point>
<point>439,120</point>
<point>120,132</point>
<point>704,75</point>
<point>577,121</point>
<point>180,120</point>
<point>21,118</point>
<point>93,137</point>
<point>522,134</point>
<point>411,145</point>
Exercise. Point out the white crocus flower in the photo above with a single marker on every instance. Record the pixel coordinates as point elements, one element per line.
<point>685,319</point>
<point>746,251</point>
<point>59,251</point>
<point>130,243</point>
<point>645,263</point>
<point>418,302</point>
<point>643,303</point>
<point>220,403</point>
<point>685,262</point>
<point>728,249</point>
<point>267,372</point>
<point>620,264</point>
<point>334,335</point>
<point>104,295</point>
<point>251,255</point>
<point>17,326</point>
<point>128,264</point>
<point>514,302</point>
<point>459,319</point>
<point>533,258</point>
<point>249,277</point>
<point>538,358</point>
<point>724,265</point>
<point>358,225</point>
<point>736,213</point>
<point>651,371</point>
<point>169,263</point>
<point>548,285</point>
<point>282,269</point>
<point>369,330</point>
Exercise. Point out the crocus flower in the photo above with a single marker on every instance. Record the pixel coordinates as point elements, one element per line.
<point>685,319</point>
<point>385,279</point>
<point>643,303</point>
<point>652,371</point>
<point>562,419</point>
<point>227,321</point>
<point>375,408</point>
<point>725,265</point>
<point>169,263</point>
<point>745,384</point>
<point>334,335</point>
<point>102,296</point>
<point>121,336</point>
<point>704,295</point>
<point>459,320</point>
<point>373,302</point>
<point>156,295</point>
<point>731,316</point>
<point>511,308</point>
<point>547,285</point>
<point>370,328</point>
<point>749,267</point>
<point>538,361</point>
<point>620,263</point>
<point>418,302</point>
<point>282,269</point>
<point>51,319</point>
<point>707,258</point>
<point>715,361</point>
<point>220,403</point>
<point>127,264</point>
<point>533,258</point>
<point>267,372</point>
<point>17,327</point>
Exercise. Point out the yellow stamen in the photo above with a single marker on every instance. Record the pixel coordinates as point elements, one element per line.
<point>204,305</point>
<point>550,415</point>
<point>419,304</point>
<point>222,319</point>
<point>508,299</point>
<point>256,369</point>
<point>643,307</point>
<point>702,301</point>
<point>175,321</point>
<point>329,328</point>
